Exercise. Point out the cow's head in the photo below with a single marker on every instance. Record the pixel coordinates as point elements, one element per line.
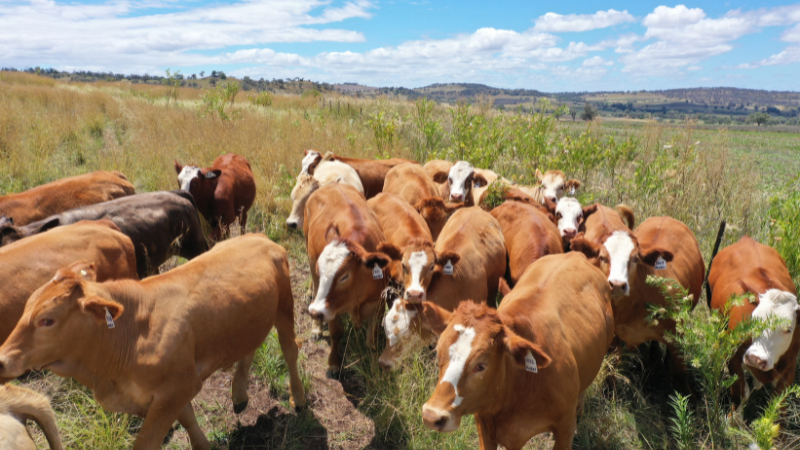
<point>305,186</point>
<point>766,350</point>
<point>459,181</point>
<point>619,256</point>
<point>421,264</point>
<point>345,269</point>
<point>310,162</point>
<point>554,184</point>
<point>399,323</point>
<point>435,212</point>
<point>570,217</point>
<point>201,184</point>
<point>66,310</point>
<point>477,351</point>
<point>8,232</point>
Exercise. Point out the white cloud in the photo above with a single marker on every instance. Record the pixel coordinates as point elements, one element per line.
<point>557,23</point>
<point>666,17</point>
<point>787,56</point>
<point>792,34</point>
<point>595,61</point>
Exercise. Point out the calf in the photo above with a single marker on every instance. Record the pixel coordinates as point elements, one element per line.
<point>466,263</point>
<point>748,267</point>
<point>159,224</point>
<point>324,173</point>
<point>68,193</point>
<point>17,406</point>
<point>31,262</point>
<point>223,192</point>
<point>523,370</point>
<point>371,172</point>
<point>160,338</point>
<point>553,184</point>
<point>342,236</point>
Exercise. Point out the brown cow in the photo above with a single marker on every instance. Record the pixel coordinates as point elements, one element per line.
<point>435,166</point>
<point>660,246</point>
<point>570,217</point>
<point>529,235</point>
<point>223,192</point>
<point>32,261</point>
<point>468,260</point>
<point>748,267</point>
<point>17,406</point>
<point>412,184</point>
<point>68,193</point>
<point>464,183</point>
<point>342,236</point>
<point>371,171</point>
<point>145,347</point>
<point>523,370</point>
<point>553,185</point>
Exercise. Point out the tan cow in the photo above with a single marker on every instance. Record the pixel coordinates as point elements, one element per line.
<point>17,406</point>
<point>146,347</point>
<point>748,267</point>
<point>412,184</point>
<point>62,195</point>
<point>523,370</point>
<point>342,236</point>
<point>464,183</point>
<point>434,167</point>
<point>326,172</point>
<point>553,185</point>
<point>32,261</point>
<point>466,263</point>
<point>372,172</point>
<point>401,224</point>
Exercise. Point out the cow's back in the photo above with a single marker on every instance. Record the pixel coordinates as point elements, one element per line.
<point>410,182</point>
<point>337,172</point>
<point>236,183</point>
<point>400,222</point>
<point>372,172</point>
<point>529,235</point>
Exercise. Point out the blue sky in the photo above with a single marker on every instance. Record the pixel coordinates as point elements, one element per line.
<point>550,46</point>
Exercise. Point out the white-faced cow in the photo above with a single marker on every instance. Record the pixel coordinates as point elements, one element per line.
<point>553,185</point>
<point>371,172</point>
<point>326,172</point>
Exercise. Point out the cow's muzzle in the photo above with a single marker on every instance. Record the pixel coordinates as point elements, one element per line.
<point>439,420</point>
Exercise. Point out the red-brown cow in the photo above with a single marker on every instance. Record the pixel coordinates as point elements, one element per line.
<point>62,195</point>
<point>146,347</point>
<point>342,235</point>
<point>748,267</point>
<point>372,172</point>
<point>523,370</point>
<point>435,166</point>
<point>223,192</point>
<point>412,184</point>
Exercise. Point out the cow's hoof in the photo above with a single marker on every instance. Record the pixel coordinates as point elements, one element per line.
<point>239,407</point>
<point>333,374</point>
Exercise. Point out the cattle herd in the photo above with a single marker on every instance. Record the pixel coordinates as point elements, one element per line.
<point>415,250</point>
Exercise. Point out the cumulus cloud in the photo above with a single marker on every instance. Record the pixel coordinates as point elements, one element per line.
<point>595,61</point>
<point>557,23</point>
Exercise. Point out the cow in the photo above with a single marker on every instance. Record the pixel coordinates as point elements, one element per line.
<point>434,167</point>
<point>466,262</point>
<point>326,172</point>
<point>223,192</point>
<point>553,184</point>
<point>660,246</point>
<point>62,195</point>
<point>411,183</point>
<point>570,217</point>
<point>145,347</point>
<point>464,183</point>
<point>529,234</point>
<point>523,369</point>
<point>32,261</point>
<point>371,172</point>
<point>342,235</point>
<point>159,224</point>
<point>748,267</point>
<point>17,406</point>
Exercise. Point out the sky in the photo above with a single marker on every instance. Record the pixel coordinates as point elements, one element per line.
<point>564,46</point>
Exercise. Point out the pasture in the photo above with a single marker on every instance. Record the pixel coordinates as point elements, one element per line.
<point>51,129</point>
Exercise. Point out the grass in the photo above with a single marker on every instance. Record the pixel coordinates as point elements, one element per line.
<point>52,129</point>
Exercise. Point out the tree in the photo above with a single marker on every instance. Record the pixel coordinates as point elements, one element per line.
<point>222,76</point>
<point>213,73</point>
<point>560,111</point>
<point>573,113</point>
<point>202,73</point>
<point>213,82</point>
<point>589,113</point>
<point>759,118</point>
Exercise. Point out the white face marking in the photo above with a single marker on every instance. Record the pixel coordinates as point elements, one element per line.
<point>458,180</point>
<point>397,323</point>
<point>459,352</point>
<point>772,344</point>
<point>329,262</point>
<point>553,186</point>
<point>416,263</point>
<point>188,173</point>
<point>571,213</point>
<point>305,186</point>
<point>619,246</point>
<point>307,161</point>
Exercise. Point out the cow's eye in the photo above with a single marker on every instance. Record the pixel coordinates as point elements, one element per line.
<point>46,323</point>
<point>480,367</point>
<point>788,331</point>
<point>344,278</point>
<point>558,215</point>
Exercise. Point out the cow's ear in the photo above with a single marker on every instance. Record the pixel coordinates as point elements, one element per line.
<point>442,258</point>
<point>212,174</point>
<point>380,259</point>
<point>479,180</point>
<point>97,306</point>
<point>441,176</point>
<point>85,269</point>
<point>550,206</point>
<point>435,318</point>
<point>582,245</point>
<point>305,152</point>
<point>539,175</point>
<point>587,211</point>
<point>332,233</point>
<point>390,250</point>
<point>572,184</point>
<point>650,257</point>
<point>503,287</point>
<point>49,225</point>
<point>520,348</point>
<point>178,167</point>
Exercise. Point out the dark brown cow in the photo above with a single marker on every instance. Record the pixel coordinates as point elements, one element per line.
<point>223,192</point>
<point>68,193</point>
<point>371,171</point>
<point>748,267</point>
<point>342,236</point>
<point>523,370</point>
<point>146,347</point>
<point>159,224</point>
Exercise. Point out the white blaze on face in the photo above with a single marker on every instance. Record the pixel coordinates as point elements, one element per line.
<point>307,161</point>
<point>459,352</point>
<point>416,263</point>
<point>773,343</point>
<point>571,213</point>
<point>397,323</point>
<point>619,246</point>
<point>188,173</point>
<point>553,186</point>
<point>329,262</point>
<point>458,180</point>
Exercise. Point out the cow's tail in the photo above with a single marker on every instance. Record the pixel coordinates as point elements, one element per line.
<point>31,405</point>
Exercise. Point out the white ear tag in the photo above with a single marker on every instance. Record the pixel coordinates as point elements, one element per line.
<point>530,363</point>
<point>109,319</point>
<point>448,268</point>
<point>377,273</point>
<point>661,264</point>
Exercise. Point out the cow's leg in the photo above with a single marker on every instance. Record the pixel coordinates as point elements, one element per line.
<point>240,382</point>
<point>678,369</point>
<point>738,389</point>
<point>188,421</point>
<point>374,312</point>
<point>564,432</point>
<point>285,325</point>
<point>316,324</point>
<point>485,434</point>
<point>335,357</point>
<point>243,221</point>
<point>164,410</point>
